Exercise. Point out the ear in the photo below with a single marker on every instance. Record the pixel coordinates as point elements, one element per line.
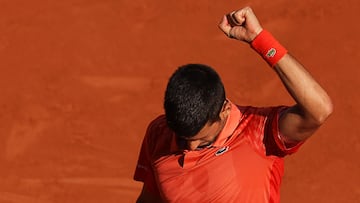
<point>225,111</point>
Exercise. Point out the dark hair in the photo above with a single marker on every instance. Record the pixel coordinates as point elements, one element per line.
<point>193,97</point>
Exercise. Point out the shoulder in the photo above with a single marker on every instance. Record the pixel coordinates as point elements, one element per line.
<point>158,135</point>
<point>158,122</point>
<point>159,119</point>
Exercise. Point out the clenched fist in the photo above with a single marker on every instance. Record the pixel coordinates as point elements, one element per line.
<point>241,25</point>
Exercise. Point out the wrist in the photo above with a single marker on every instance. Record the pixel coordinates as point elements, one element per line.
<point>255,34</point>
<point>268,47</point>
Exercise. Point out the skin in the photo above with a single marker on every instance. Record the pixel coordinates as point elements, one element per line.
<point>208,134</point>
<point>313,106</point>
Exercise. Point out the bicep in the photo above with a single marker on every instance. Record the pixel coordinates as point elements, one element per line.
<point>294,126</point>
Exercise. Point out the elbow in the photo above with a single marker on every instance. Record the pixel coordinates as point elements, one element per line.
<point>326,110</point>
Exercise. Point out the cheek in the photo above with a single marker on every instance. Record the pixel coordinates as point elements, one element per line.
<point>213,136</point>
<point>217,132</point>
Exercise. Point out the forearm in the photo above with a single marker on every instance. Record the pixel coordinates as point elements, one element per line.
<point>313,105</point>
<point>308,94</point>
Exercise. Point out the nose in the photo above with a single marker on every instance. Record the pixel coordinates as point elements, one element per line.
<point>193,144</point>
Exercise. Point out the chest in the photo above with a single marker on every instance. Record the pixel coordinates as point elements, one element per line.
<point>215,174</point>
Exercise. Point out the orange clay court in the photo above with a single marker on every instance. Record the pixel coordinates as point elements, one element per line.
<point>80,80</point>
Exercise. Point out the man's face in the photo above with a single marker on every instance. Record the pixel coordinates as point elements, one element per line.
<point>206,136</point>
<point>209,133</point>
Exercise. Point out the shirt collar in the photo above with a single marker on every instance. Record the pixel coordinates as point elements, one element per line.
<point>231,123</point>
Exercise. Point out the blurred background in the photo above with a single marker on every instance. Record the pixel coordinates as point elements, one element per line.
<point>81,79</point>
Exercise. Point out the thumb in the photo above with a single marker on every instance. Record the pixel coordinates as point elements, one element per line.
<point>237,18</point>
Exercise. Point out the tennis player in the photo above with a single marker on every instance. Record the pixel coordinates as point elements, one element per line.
<point>205,148</point>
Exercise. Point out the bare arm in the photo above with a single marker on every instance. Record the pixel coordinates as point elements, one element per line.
<point>313,105</point>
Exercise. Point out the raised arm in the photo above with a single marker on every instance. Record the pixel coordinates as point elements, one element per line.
<point>313,105</point>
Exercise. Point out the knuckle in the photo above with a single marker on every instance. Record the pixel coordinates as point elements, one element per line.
<point>249,10</point>
<point>236,14</point>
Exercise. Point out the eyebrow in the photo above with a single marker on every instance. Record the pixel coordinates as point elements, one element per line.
<point>188,138</point>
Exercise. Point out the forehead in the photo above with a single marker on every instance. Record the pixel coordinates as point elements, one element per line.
<point>206,131</point>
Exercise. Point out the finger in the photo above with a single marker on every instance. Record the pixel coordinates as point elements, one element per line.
<point>237,32</point>
<point>231,19</point>
<point>240,15</point>
<point>239,18</point>
<point>225,26</point>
